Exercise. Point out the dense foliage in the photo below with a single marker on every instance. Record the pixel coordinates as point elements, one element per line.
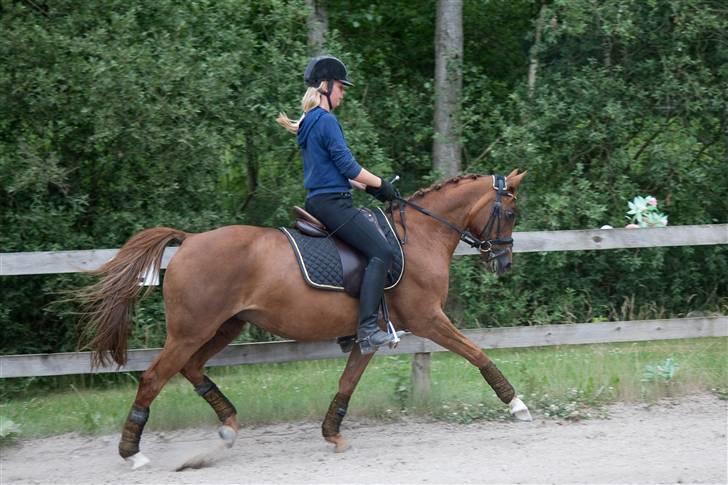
<point>116,116</point>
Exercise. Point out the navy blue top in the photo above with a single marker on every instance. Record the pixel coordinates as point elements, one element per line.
<point>328,164</point>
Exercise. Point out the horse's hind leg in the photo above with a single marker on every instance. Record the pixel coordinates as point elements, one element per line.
<point>441,331</point>
<point>168,363</point>
<point>355,367</point>
<point>193,371</point>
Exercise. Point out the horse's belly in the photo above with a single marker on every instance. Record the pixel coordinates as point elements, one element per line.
<point>309,315</point>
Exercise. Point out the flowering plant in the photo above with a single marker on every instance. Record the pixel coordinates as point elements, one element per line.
<point>643,212</point>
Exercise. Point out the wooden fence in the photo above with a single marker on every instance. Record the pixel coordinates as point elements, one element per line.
<point>47,262</point>
<point>486,338</point>
<point>716,326</point>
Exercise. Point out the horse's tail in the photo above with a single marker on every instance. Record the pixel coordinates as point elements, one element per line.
<point>108,305</point>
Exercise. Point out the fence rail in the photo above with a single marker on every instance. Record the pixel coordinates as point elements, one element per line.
<point>48,262</point>
<point>288,351</point>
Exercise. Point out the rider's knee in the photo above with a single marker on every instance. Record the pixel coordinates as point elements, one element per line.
<point>385,255</point>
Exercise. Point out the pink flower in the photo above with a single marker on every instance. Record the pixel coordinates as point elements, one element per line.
<point>652,201</point>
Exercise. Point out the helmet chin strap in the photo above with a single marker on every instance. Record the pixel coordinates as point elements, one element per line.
<point>327,93</point>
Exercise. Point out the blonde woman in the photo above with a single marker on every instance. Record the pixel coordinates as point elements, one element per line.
<point>329,172</point>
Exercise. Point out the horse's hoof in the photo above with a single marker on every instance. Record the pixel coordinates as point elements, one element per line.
<point>519,410</point>
<point>137,461</point>
<point>340,444</point>
<point>228,435</point>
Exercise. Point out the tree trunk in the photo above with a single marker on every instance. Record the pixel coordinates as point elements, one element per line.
<point>446,149</point>
<point>318,27</point>
<point>533,60</point>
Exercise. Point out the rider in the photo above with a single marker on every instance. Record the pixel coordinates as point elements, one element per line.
<point>329,172</point>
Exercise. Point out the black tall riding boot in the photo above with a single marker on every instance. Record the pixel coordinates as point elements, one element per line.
<point>369,335</point>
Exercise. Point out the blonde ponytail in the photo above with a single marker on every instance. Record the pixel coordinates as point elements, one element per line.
<point>311,99</point>
<point>287,123</point>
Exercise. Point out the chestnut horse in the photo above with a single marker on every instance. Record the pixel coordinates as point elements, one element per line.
<point>220,279</point>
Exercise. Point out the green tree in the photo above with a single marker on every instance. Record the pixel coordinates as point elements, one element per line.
<point>630,101</point>
<point>117,116</point>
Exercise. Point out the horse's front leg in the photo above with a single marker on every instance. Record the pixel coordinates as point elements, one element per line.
<point>355,367</point>
<point>440,330</point>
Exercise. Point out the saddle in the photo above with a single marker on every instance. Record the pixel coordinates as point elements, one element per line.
<point>328,263</point>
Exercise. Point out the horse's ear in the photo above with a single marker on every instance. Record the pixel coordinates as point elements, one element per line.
<point>514,178</point>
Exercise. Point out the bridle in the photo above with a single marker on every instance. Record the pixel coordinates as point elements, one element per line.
<point>485,246</point>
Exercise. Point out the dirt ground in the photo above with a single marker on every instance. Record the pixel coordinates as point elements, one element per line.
<point>675,441</point>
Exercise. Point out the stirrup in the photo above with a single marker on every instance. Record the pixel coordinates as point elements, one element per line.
<point>366,346</point>
<point>396,335</point>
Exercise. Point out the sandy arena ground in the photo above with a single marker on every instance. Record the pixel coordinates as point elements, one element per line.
<point>675,441</point>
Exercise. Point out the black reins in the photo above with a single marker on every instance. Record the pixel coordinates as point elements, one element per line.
<point>494,221</point>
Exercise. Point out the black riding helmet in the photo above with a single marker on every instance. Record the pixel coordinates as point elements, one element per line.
<point>325,68</point>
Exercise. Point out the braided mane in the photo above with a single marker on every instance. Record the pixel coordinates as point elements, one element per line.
<point>439,185</point>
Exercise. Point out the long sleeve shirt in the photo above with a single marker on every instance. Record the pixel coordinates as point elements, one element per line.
<point>328,163</point>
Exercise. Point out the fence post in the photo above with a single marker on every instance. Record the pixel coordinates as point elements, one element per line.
<point>421,376</point>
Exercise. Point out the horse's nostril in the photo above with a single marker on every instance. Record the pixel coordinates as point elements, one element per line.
<point>503,268</point>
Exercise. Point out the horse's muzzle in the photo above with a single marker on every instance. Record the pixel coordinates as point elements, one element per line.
<point>498,260</point>
<point>502,268</point>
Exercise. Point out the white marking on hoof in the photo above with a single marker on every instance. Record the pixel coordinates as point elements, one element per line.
<point>228,435</point>
<point>137,461</point>
<point>519,410</point>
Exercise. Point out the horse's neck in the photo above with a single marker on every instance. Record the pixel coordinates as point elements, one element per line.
<point>452,203</point>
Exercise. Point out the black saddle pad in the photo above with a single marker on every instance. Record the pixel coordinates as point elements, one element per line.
<point>321,265</point>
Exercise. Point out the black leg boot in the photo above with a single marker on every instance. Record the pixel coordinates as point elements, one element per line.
<point>369,335</point>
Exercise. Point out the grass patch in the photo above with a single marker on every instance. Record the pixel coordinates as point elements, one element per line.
<point>568,382</point>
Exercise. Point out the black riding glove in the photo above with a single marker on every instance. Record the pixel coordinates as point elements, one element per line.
<point>385,193</point>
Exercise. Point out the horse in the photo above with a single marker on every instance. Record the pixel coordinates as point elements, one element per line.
<point>220,279</point>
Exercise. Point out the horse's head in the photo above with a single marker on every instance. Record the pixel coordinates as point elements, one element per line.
<point>492,218</point>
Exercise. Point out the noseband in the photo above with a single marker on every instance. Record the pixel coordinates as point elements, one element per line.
<point>494,222</point>
<point>485,246</point>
